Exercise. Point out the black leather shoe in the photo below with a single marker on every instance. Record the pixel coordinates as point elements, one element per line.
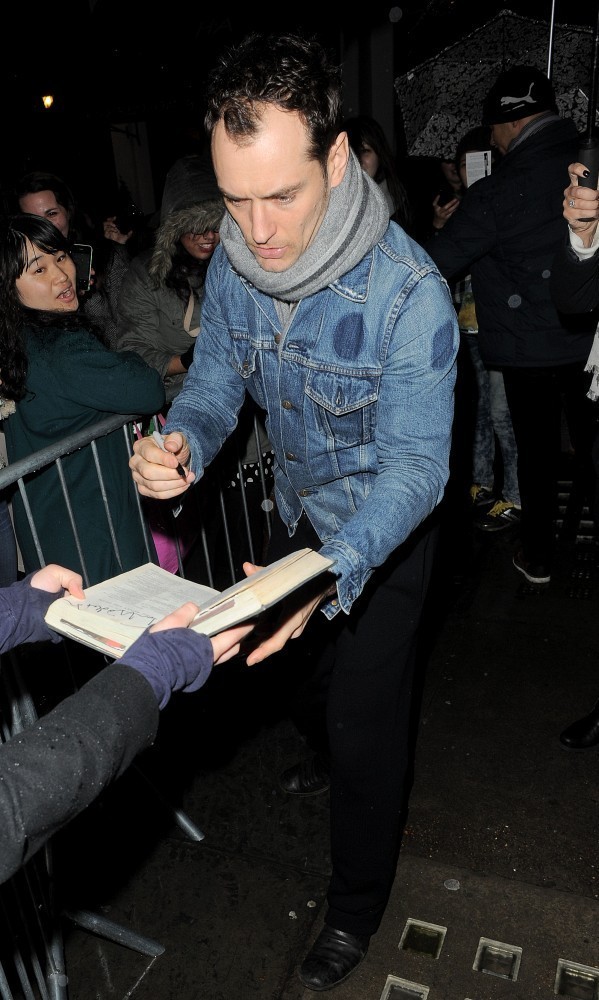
<point>583,734</point>
<point>333,957</point>
<point>308,777</point>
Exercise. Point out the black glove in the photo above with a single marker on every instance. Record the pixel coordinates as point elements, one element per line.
<point>187,358</point>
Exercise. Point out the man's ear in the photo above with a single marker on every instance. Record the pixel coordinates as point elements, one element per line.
<point>338,159</point>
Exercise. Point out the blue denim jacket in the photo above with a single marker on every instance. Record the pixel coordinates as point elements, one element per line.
<point>358,394</point>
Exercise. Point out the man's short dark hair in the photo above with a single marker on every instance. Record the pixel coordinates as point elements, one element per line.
<point>293,73</point>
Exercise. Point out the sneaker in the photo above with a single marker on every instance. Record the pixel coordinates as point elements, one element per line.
<point>481,496</point>
<point>503,514</point>
<point>533,573</point>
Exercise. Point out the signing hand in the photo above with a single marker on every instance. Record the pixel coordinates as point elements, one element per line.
<point>155,470</point>
<point>581,205</point>
<point>54,578</point>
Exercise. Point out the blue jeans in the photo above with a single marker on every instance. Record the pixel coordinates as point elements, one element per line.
<point>492,420</point>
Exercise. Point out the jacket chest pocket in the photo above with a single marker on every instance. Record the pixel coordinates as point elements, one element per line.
<point>245,360</point>
<point>344,405</point>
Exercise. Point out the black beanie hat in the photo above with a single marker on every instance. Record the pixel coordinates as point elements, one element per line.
<point>517,93</point>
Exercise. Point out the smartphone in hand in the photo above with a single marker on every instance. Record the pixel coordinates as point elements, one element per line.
<point>82,255</point>
<point>445,196</point>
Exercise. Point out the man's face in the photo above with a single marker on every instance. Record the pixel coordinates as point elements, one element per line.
<point>277,195</point>
<point>501,135</point>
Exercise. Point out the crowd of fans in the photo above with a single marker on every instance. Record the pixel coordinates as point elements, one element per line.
<point>526,370</point>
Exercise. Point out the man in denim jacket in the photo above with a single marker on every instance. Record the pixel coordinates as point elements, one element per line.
<point>342,329</point>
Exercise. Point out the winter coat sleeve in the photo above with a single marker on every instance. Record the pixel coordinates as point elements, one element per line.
<point>468,235</point>
<point>51,771</point>
<point>575,282</point>
<point>151,319</point>
<point>109,381</point>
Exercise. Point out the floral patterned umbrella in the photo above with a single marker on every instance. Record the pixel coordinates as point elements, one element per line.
<point>441,98</point>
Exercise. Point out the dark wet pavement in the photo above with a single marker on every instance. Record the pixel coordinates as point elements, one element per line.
<point>499,867</point>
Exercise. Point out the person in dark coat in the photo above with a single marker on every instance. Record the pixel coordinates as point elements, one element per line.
<point>64,379</point>
<point>506,234</point>
<point>575,289</point>
<point>55,768</point>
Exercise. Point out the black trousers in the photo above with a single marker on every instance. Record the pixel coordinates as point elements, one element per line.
<point>536,398</point>
<point>354,698</point>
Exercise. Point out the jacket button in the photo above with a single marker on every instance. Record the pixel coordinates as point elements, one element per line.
<point>304,493</point>
<point>277,338</point>
<point>287,405</point>
<point>289,455</point>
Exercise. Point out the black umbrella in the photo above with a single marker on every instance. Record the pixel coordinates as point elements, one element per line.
<point>589,146</point>
<point>441,98</point>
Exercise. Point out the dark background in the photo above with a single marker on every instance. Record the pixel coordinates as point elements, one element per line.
<point>113,62</point>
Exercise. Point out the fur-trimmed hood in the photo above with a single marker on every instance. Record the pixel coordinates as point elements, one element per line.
<point>193,219</point>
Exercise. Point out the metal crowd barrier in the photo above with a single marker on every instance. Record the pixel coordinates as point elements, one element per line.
<point>32,962</point>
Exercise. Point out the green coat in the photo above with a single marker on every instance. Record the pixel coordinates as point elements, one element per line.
<point>73,382</point>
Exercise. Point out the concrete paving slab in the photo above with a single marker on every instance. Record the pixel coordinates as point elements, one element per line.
<point>544,923</point>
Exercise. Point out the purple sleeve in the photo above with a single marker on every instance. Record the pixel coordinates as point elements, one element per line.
<point>22,610</point>
<point>177,659</point>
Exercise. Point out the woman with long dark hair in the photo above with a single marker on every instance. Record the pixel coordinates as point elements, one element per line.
<point>56,367</point>
<point>42,193</point>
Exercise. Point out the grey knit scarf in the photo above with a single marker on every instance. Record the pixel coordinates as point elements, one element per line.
<point>355,220</point>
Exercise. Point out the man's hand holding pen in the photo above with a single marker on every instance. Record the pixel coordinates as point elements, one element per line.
<point>160,470</point>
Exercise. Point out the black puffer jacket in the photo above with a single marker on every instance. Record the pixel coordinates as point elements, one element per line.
<point>506,233</point>
<point>575,282</point>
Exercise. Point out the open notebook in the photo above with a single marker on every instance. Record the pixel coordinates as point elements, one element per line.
<point>116,612</point>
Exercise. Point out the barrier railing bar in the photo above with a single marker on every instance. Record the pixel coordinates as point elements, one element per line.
<point>142,518</point>
<point>72,442</point>
<point>104,495</point>
<point>69,507</point>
